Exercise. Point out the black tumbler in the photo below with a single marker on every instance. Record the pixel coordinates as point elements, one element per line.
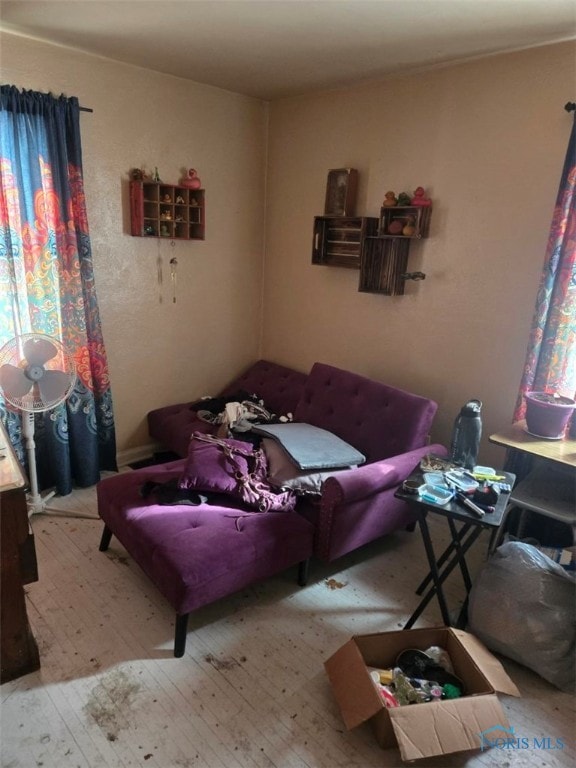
<point>466,435</point>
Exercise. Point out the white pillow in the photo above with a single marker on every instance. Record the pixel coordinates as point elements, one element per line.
<point>284,474</point>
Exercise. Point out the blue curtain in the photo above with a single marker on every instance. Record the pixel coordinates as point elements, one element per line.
<point>47,282</point>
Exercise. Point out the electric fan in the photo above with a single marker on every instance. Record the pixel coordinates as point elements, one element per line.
<point>36,374</point>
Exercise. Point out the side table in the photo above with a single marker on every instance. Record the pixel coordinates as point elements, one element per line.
<point>465,528</point>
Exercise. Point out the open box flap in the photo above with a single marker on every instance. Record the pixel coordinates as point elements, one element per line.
<point>425,730</point>
<point>347,672</point>
<point>488,664</point>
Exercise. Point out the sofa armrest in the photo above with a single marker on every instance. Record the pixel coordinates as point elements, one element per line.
<point>370,479</point>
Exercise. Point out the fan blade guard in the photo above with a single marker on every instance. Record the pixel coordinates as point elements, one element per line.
<point>36,372</point>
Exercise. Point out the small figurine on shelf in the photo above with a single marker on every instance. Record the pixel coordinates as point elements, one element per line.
<point>410,227</point>
<point>420,197</point>
<point>156,176</point>
<point>404,198</point>
<point>390,200</point>
<point>167,199</point>
<point>164,231</point>
<point>191,180</point>
<point>180,200</point>
<point>395,227</point>
<point>137,174</point>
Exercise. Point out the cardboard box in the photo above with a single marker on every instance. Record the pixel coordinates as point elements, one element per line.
<point>433,728</point>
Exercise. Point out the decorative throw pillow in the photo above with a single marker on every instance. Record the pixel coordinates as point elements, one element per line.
<point>312,447</point>
<point>283,473</point>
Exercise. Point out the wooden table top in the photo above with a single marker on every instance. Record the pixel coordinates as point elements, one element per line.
<point>515,436</point>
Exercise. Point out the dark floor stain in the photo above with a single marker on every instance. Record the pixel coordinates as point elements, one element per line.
<point>220,664</point>
<point>110,703</point>
<point>122,559</point>
<point>333,584</point>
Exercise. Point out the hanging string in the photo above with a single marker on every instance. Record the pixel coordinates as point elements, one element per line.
<point>173,265</point>
<point>159,274</point>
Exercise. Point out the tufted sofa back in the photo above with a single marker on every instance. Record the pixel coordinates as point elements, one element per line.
<point>279,387</point>
<point>378,420</point>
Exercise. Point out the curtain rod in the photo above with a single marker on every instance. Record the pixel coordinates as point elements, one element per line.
<point>570,106</point>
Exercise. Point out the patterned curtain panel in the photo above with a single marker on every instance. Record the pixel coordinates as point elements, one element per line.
<point>47,282</point>
<point>551,359</point>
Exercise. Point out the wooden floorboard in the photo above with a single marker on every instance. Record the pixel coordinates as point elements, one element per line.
<point>250,691</point>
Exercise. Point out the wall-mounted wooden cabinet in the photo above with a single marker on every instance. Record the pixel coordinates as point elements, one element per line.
<point>166,210</point>
<point>338,239</point>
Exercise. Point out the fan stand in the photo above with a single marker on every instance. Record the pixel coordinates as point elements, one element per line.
<point>36,503</point>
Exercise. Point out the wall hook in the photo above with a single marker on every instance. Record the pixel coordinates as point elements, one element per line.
<point>413,276</point>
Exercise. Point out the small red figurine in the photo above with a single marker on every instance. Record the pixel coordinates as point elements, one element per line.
<point>191,181</point>
<point>420,197</point>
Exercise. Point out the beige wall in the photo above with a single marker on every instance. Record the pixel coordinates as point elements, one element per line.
<point>160,352</point>
<point>487,139</point>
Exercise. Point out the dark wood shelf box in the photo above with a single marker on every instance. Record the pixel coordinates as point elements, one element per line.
<point>383,262</point>
<point>166,210</point>
<point>341,192</point>
<point>338,239</point>
<point>418,215</point>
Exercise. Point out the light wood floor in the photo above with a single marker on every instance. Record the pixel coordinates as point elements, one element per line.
<point>250,692</point>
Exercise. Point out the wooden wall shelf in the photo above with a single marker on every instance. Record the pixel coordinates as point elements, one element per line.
<point>338,239</point>
<point>383,262</point>
<point>399,216</point>
<point>167,211</point>
<point>378,247</point>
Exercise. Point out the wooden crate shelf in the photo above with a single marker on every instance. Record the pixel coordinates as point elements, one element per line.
<point>383,263</point>
<point>338,239</point>
<point>369,245</point>
<point>399,215</point>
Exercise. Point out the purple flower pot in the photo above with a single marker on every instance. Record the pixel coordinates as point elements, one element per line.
<point>548,415</point>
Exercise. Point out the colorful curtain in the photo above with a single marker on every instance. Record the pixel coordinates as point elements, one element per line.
<point>47,282</point>
<point>551,359</point>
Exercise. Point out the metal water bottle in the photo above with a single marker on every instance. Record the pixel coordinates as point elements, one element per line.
<point>466,435</point>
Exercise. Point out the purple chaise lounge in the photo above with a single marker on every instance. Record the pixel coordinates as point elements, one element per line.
<point>196,555</point>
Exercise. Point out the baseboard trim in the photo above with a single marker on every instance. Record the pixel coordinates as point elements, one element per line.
<point>131,455</point>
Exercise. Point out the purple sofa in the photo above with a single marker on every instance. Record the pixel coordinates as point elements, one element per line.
<point>196,555</point>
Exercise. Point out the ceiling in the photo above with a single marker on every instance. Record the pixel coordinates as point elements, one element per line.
<point>270,49</point>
